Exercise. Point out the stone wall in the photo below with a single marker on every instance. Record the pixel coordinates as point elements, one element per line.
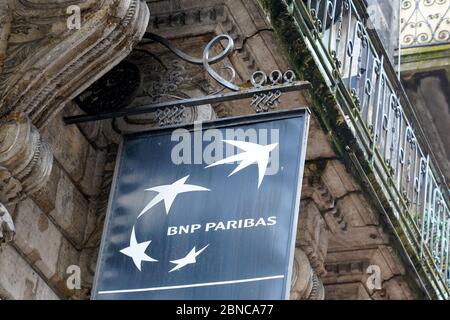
<point>53,225</point>
<point>429,91</point>
<point>50,174</point>
<point>384,18</point>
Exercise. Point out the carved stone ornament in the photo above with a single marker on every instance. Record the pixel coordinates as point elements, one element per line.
<point>306,285</point>
<point>46,60</point>
<point>25,160</point>
<point>312,236</point>
<point>7,230</point>
<point>51,51</point>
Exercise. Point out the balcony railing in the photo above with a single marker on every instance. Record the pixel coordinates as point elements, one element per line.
<point>356,67</point>
<point>425,22</point>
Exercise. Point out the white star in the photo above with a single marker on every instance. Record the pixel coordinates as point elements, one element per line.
<point>189,259</point>
<point>253,153</point>
<point>136,251</point>
<point>168,193</point>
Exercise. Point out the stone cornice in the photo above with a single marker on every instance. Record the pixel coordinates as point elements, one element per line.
<point>25,159</point>
<point>44,64</point>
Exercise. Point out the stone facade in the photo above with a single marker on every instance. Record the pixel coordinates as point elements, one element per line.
<point>50,174</point>
<point>55,179</point>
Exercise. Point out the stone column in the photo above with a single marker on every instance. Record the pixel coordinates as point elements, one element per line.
<point>25,165</point>
<point>44,63</point>
<point>7,229</point>
<point>312,245</point>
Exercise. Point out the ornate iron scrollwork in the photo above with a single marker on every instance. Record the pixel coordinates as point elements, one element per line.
<point>331,10</point>
<point>266,91</point>
<point>264,102</point>
<point>170,116</point>
<point>424,22</point>
<point>166,82</point>
<point>206,60</point>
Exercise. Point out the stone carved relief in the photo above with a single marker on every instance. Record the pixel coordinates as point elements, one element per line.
<point>315,189</point>
<point>7,229</point>
<point>310,254</point>
<point>168,78</point>
<point>25,159</point>
<point>43,64</point>
<point>312,236</point>
<point>25,166</point>
<point>306,285</point>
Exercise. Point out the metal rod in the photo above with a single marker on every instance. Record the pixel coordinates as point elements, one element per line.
<point>244,94</point>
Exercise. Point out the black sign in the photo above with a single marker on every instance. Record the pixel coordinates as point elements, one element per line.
<point>205,212</point>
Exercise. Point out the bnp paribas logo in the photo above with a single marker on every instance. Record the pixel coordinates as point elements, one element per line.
<point>246,148</point>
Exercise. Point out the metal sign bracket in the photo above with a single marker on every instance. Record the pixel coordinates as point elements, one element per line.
<point>265,93</point>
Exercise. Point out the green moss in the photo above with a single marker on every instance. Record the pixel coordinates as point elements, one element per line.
<point>322,100</point>
<point>426,53</point>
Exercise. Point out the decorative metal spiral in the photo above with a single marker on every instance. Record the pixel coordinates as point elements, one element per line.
<point>264,102</point>
<point>206,60</point>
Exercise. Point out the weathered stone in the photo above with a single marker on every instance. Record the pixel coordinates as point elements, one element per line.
<point>312,236</point>
<point>7,228</point>
<point>18,280</point>
<point>356,211</point>
<point>338,180</point>
<point>38,238</point>
<point>92,177</point>
<point>318,145</point>
<point>41,69</point>
<point>394,289</point>
<point>425,90</point>
<point>346,291</point>
<point>356,238</point>
<point>67,257</point>
<point>305,283</point>
<point>45,197</point>
<point>25,158</point>
<point>46,63</point>
<point>65,205</point>
<point>70,148</point>
<point>71,209</point>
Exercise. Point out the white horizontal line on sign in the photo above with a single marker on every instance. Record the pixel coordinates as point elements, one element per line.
<point>192,285</point>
